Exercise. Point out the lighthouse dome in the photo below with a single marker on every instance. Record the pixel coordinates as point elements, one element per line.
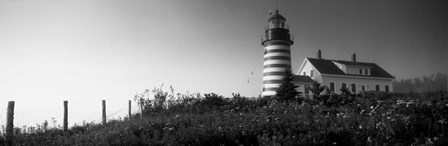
<point>276,30</point>
<point>276,15</point>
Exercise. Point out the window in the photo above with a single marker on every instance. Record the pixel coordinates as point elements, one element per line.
<point>377,87</point>
<point>304,73</point>
<point>386,88</point>
<point>307,89</point>
<point>366,71</point>
<point>311,73</point>
<point>344,85</point>
<point>363,88</point>
<point>331,86</point>
<point>360,71</point>
<point>353,88</point>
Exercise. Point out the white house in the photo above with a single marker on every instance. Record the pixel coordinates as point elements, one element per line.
<point>335,74</point>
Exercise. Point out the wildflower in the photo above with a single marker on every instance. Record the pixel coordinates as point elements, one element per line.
<point>360,126</point>
<point>362,111</point>
<point>378,125</point>
<point>442,121</point>
<point>429,141</point>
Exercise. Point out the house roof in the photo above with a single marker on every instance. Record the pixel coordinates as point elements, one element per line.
<point>300,78</point>
<point>325,66</point>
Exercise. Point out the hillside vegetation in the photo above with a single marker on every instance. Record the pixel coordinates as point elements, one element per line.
<point>211,119</point>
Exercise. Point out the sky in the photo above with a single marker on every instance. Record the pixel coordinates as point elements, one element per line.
<point>85,51</point>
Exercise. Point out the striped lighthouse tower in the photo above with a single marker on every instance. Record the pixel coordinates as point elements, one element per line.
<point>277,53</point>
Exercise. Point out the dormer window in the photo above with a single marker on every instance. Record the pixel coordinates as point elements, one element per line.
<point>366,71</point>
<point>360,71</point>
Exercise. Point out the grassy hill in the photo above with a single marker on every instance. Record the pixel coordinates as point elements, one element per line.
<point>368,119</point>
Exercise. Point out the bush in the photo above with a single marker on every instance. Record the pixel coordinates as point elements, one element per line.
<point>213,100</point>
<point>287,90</point>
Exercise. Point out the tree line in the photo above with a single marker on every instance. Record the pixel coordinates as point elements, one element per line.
<point>437,82</point>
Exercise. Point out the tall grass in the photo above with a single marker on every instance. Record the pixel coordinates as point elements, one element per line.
<point>211,119</point>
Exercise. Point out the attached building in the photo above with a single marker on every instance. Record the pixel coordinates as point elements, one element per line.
<point>355,76</point>
<point>304,83</point>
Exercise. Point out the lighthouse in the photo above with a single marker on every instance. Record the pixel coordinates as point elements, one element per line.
<point>277,53</point>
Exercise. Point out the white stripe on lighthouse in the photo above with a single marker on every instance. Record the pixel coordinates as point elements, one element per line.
<point>271,85</point>
<point>268,93</point>
<point>272,47</point>
<point>267,62</point>
<point>274,69</point>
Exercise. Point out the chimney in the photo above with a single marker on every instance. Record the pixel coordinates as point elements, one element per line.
<point>354,57</point>
<point>319,54</point>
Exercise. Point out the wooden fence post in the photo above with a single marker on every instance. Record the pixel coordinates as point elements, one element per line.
<point>141,108</point>
<point>65,124</point>
<point>10,123</point>
<point>130,110</point>
<point>104,112</point>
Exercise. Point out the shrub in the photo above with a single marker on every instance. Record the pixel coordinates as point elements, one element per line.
<point>287,90</point>
<point>213,101</point>
<point>317,88</point>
